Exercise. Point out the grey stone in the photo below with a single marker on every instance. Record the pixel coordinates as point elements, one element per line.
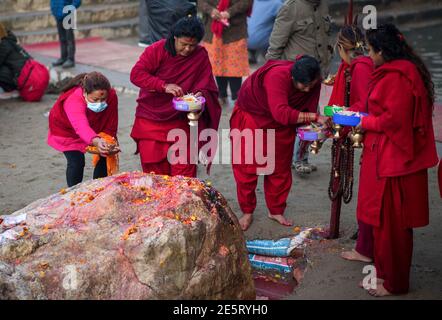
<point>129,236</point>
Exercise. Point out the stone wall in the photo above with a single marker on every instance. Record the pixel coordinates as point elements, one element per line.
<point>33,22</point>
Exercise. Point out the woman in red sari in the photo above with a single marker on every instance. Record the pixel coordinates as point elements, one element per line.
<point>358,68</point>
<point>399,148</point>
<point>280,95</point>
<point>171,68</point>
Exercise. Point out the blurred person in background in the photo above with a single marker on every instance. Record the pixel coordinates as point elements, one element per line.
<point>226,41</point>
<point>260,25</point>
<point>302,27</point>
<point>158,16</point>
<point>66,35</point>
<point>20,74</point>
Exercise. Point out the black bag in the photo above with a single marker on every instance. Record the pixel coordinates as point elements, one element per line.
<point>162,14</point>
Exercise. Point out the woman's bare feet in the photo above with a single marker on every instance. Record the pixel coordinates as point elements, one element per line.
<point>378,282</point>
<point>281,219</point>
<point>353,255</point>
<point>380,291</point>
<point>245,221</point>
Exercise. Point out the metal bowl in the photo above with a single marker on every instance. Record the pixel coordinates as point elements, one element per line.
<point>348,120</point>
<point>307,133</point>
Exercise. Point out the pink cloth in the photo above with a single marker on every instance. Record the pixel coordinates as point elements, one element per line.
<point>75,108</point>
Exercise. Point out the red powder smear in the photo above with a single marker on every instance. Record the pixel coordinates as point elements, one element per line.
<point>165,193</point>
<point>273,286</point>
<point>274,290</point>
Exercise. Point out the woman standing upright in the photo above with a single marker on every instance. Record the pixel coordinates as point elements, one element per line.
<point>226,41</point>
<point>355,69</point>
<point>355,66</point>
<point>171,68</point>
<point>399,148</point>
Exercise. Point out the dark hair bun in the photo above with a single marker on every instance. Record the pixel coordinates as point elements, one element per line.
<point>306,69</point>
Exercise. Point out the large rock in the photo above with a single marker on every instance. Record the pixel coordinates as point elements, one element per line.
<point>130,236</point>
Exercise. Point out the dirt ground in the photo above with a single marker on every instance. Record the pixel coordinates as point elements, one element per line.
<point>30,170</point>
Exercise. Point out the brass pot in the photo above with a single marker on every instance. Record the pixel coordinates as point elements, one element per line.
<point>193,118</point>
<point>337,128</point>
<point>357,137</point>
<point>316,146</point>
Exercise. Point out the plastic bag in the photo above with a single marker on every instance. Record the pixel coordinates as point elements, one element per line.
<point>279,248</point>
<point>281,264</point>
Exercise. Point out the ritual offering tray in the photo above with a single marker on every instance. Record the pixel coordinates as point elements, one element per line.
<point>329,111</point>
<point>348,118</point>
<point>312,132</point>
<point>189,103</point>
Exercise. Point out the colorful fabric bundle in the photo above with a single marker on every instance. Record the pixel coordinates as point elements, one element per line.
<point>279,248</point>
<point>112,161</point>
<point>281,264</point>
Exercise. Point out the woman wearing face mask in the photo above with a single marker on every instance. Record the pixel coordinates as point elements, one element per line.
<point>87,107</point>
<point>171,68</point>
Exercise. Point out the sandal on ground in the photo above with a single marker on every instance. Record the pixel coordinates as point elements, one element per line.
<point>301,168</point>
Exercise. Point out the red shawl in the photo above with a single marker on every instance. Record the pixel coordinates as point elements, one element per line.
<point>361,69</point>
<point>402,114</point>
<point>217,27</point>
<point>105,121</point>
<point>278,103</point>
<point>337,96</point>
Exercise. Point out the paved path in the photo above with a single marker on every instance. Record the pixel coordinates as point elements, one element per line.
<point>328,277</point>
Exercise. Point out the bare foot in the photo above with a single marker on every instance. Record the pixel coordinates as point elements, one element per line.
<point>380,291</point>
<point>353,255</point>
<point>245,221</point>
<point>281,219</point>
<point>378,282</point>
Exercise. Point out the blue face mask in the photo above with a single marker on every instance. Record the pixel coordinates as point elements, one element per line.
<point>96,106</point>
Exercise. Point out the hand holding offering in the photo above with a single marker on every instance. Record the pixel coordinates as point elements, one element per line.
<point>173,89</point>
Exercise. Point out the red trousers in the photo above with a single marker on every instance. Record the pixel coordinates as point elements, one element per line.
<point>276,190</point>
<point>165,168</point>
<point>152,143</point>
<point>365,242</point>
<point>277,184</point>
<point>393,239</point>
<point>153,155</point>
